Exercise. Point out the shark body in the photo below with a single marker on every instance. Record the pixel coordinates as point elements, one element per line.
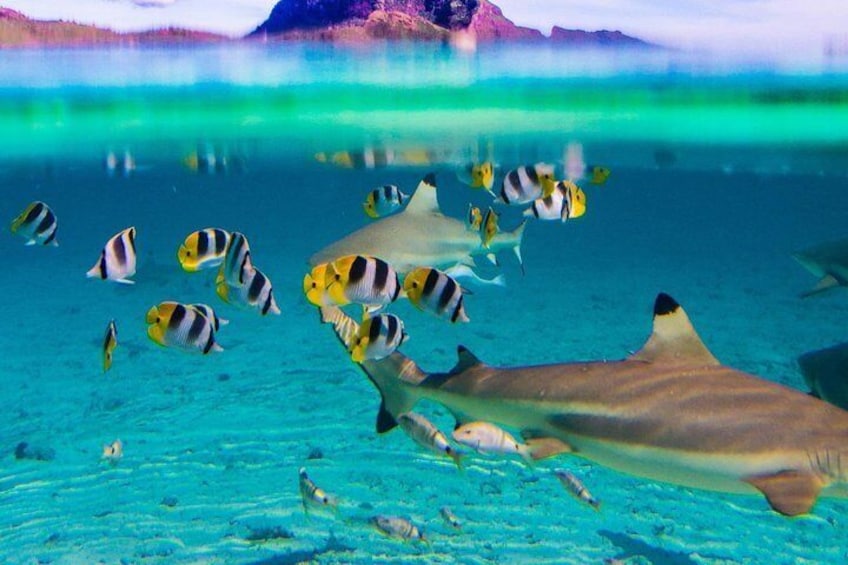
<point>827,261</point>
<point>670,412</point>
<point>419,236</point>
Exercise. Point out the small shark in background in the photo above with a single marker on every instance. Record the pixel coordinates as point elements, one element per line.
<point>828,261</point>
<point>826,373</point>
<point>669,412</point>
<point>419,236</point>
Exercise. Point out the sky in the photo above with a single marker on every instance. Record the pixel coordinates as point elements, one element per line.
<point>748,26</point>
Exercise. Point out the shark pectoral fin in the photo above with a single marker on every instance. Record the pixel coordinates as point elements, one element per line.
<point>789,492</point>
<point>385,421</point>
<point>544,447</point>
<point>825,283</point>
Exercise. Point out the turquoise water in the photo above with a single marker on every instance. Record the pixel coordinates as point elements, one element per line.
<point>719,173</point>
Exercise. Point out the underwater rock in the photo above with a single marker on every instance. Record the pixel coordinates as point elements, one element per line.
<point>261,534</point>
<point>315,453</point>
<point>169,501</point>
<point>36,452</point>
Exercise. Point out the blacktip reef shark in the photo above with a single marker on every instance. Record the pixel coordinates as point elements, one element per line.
<point>419,236</point>
<point>669,412</point>
<point>828,261</point>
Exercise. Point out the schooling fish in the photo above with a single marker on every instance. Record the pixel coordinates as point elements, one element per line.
<point>419,235</point>
<point>315,286</point>
<point>38,224</point>
<point>311,495</point>
<point>489,228</point>
<point>236,260</point>
<point>110,342</point>
<point>573,485</point>
<point>478,175</point>
<point>567,201</point>
<point>474,218</point>
<point>113,452</point>
<point>378,336</point>
<point>210,314</point>
<point>485,437</point>
<point>669,412</point>
<point>255,291</point>
<point>203,249</point>
<point>363,280</point>
<point>117,260</point>
<point>397,527</point>
<point>428,435</point>
<point>384,201</point>
<point>450,518</point>
<point>177,325</point>
<point>434,291</point>
<point>525,184</point>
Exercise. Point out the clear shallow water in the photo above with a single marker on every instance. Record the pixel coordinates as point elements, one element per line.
<point>718,174</point>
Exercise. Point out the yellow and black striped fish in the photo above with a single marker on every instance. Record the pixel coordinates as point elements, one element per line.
<point>315,287</point>
<point>567,201</point>
<point>176,325</point>
<point>117,260</point>
<point>473,218</point>
<point>384,201</point>
<point>377,337</point>
<point>255,291</point>
<point>363,280</point>
<point>489,228</point>
<point>525,184</point>
<point>435,291</point>
<point>203,249</point>
<point>38,224</point>
<point>211,315</point>
<point>236,259</point>
<point>110,342</point>
<point>598,174</point>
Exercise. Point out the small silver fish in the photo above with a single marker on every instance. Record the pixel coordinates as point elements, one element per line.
<point>312,495</point>
<point>397,527</point>
<point>427,435</point>
<point>573,485</point>
<point>485,437</point>
<point>450,518</point>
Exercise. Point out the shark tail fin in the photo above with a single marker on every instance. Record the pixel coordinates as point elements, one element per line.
<point>825,283</point>
<point>674,339</point>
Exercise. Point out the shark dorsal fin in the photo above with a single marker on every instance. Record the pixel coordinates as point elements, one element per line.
<point>466,360</point>
<point>424,200</point>
<point>673,340</point>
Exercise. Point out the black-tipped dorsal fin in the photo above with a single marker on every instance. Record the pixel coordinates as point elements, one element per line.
<point>673,340</point>
<point>425,199</point>
<point>466,360</point>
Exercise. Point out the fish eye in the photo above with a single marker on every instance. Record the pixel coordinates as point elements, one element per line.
<point>314,284</point>
<point>338,276</point>
<point>414,285</point>
<point>325,500</point>
<point>188,253</point>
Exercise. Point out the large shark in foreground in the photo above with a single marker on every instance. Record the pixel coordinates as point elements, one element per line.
<point>828,261</point>
<point>419,236</point>
<point>670,412</point>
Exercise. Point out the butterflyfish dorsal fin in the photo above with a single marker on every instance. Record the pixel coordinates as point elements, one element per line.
<point>466,360</point>
<point>674,339</point>
<point>425,199</point>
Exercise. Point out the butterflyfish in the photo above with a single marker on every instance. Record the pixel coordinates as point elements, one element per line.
<point>473,218</point>
<point>203,249</point>
<point>427,435</point>
<point>378,337</point>
<point>383,201</point>
<point>236,258</point>
<point>478,175</point>
<point>567,201</point>
<point>362,280</point>
<point>489,227</point>
<point>172,324</point>
<point>255,291</point>
<point>525,184</point>
<point>210,314</point>
<point>315,287</point>
<point>117,259</point>
<point>433,290</point>
<point>37,224</point>
<point>110,342</point>
<point>574,486</point>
